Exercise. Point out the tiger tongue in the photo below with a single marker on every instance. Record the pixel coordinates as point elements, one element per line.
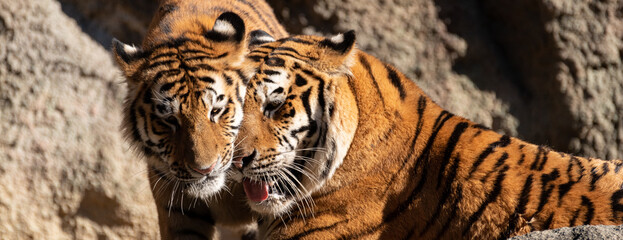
<point>256,191</point>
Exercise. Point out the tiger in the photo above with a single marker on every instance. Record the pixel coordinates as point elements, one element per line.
<point>336,144</point>
<point>185,89</point>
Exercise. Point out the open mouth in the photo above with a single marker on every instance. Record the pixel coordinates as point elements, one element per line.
<point>258,191</point>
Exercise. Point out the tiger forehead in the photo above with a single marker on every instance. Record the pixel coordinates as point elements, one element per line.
<point>186,50</point>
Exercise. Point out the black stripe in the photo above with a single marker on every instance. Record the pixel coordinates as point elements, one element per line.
<point>147,96</point>
<point>564,188</point>
<point>595,176</point>
<point>166,73</point>
<point>193,51</point>
<point>300,81</point>
<point>617,166</point>
<point>459,129</point>
<point>305,99</point>
<point>574,219</point>
<point>418,130</point>
<point>256,58</point>
<point>167,86</point>
<point>271,27</point>
<point>228,79</point>
<point>206,79</point>
<point>615,204</point>
<point>524,198</point>
<point>511,227</point>
<point>590,210</point>
<point>447,190</point>
<point>366,65</point>
<point>548,222</point>
<point>206,57</point>
<point>162,63</point>
<point>242,77</point>
<point>543,160</point>
<point>396,81</point>
<point>453,214</point>
<point>285,54</point>
<point>321,97</point>
<point>522,158</point>
<point>313,230</point>
<point>201,66</point>
<point>503,142</point>
<point>537,158</point>
<point>165,54</point>
<point>270,72</point>
<point>501,160</point>
<point>439,122</point>
<point>491,197</point>
<point>268,80</point>
<point>288,49</point>
<point>546,188</point>
<point>275,62</point>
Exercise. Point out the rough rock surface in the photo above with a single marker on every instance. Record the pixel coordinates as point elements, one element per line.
<point>66,172</point>
<point>577,233</point>
<point>548,71</point>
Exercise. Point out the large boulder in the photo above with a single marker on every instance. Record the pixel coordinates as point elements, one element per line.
<point>65,169</point>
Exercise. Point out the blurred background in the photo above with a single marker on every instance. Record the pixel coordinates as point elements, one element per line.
<point>547,71</point>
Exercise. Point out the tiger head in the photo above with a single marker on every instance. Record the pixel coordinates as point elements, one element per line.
<point>299,120</point>
<point>184,103</point>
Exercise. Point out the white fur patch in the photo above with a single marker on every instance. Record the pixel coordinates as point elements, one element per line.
<point>280,78</point>
<point>265,39</point>
<point>224,27</point>
<point>129,50</point>
<point>337,39</point>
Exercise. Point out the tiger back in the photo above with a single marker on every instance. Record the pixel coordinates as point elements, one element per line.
<point>339,145</point>
<point>186,86</point>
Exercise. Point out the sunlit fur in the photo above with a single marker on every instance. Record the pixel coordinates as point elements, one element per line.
<point>186,86</point>
<point>357,150</point>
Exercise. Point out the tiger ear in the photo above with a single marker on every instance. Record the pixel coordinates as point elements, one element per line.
<point>338,52</point>
<point>342,43</point>
<point>259,37</point>
<point>129,58</point>
<point>227,27</point>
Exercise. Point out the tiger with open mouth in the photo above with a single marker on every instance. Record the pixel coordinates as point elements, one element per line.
<point>339,145</point>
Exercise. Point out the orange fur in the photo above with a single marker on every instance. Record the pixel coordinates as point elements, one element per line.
<point>186,84</point>
<point>412,170</point>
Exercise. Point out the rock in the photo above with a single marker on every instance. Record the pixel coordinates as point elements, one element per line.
<point>66,171</point>
<point>547,71</point>
<point>578,233</point>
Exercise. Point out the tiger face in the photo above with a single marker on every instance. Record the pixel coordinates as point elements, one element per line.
<point>184,104</point>
<point>292,137</point>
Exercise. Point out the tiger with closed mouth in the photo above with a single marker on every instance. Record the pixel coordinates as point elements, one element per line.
<point>339,145</point>
<point>186,86</point>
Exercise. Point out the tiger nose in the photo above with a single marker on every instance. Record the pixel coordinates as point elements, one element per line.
<point>244,161</point>
<point>204,171</point>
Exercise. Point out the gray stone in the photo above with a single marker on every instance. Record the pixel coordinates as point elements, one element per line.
<point>65,169</point>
